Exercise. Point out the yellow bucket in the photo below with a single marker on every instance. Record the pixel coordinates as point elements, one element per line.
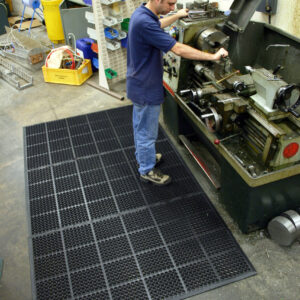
<point>10,5</point>
<point>53,21</point>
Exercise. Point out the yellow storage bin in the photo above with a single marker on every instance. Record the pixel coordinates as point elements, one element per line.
<point>67,76</point>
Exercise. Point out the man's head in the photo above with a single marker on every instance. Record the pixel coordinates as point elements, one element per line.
<point>163,7</point>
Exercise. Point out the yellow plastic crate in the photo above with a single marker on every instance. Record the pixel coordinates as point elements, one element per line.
<point>66,76</point>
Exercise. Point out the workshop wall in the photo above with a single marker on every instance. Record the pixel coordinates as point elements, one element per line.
<point>296,19</point>
<point>287,17</point>
<point>18,8</point>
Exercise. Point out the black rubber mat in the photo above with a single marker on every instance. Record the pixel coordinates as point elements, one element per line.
<point>97,232</point>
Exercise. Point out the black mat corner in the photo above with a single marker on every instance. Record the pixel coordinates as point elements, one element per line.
<point>97,232</point>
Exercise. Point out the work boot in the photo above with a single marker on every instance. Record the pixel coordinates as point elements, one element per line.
<point>156,177</point>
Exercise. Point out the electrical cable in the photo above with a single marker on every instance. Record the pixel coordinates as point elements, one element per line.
<point>71,53</point>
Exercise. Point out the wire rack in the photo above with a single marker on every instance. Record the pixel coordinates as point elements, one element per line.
<point>22,48</point>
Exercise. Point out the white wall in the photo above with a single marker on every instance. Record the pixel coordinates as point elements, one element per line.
<point>287,17</point>
<point>18,7</point>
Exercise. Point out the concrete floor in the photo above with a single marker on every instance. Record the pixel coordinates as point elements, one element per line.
<point>277,267</point>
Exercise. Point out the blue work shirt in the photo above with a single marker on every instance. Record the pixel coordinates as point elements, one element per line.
<point>146,42</point>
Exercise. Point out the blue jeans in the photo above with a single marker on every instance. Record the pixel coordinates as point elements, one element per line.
<point>145,129</point>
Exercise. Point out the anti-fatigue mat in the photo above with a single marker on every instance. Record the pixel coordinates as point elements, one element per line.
<point>98,232</point>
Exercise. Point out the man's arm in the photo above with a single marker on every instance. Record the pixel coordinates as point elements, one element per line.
<point>195,54</point>
<point>165,22</point>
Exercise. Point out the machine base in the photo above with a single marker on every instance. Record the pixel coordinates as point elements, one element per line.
<point>250,207</point>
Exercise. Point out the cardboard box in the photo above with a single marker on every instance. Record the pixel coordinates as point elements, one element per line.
<point>14,22</point>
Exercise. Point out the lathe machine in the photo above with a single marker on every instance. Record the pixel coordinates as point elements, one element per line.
<point>245,109</point>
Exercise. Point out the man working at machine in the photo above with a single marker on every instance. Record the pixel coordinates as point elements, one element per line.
<point>146,42</point>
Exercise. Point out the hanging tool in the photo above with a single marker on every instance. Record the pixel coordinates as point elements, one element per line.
<point>268,9</point>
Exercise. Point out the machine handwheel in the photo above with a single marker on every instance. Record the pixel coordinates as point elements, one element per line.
<point>212,120</point>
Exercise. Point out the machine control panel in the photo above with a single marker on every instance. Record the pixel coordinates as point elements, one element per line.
<point>171,63</point>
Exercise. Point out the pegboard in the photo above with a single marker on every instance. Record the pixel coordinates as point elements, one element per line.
<point>117,59</point>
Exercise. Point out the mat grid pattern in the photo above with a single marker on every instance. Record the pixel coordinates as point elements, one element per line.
<point>97,232</point>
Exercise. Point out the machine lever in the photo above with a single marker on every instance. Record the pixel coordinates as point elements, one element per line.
<point>168,71</point>
<point>283,94</point>
<point>278,68</point>
<point>184,92</point>
<point>294,113</point>
<point>206,116</point>
<point>296,104</point>
<point>251,170</point>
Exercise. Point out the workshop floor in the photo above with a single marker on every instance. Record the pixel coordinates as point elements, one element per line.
<point>277,267</point>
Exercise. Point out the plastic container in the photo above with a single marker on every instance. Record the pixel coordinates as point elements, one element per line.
<point>109,2</point>
<point>53,21</point>
<point>95,63</point>
<point>122,35</point>
<point>125,24</point>
<point>84,48</point>
<point>111,33</point>
<point>90,17</point>
<point>88,2</point>
<point>110,73</point>
<point>67,76</point>
<point>124,42</point>
<point>92,33</point>
<point>110,21</point>
<point>94,47</point>
<point>113,45</point>
<point>114,9</point>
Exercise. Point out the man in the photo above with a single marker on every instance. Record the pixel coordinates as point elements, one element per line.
<point>146,42</point>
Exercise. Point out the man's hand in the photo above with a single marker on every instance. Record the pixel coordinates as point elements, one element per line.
<point>221,53</point>
<point>182,13</point>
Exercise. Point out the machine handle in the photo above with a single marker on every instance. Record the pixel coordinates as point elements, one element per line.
<point>294,113</point>
<point>293,107</point>
<point>283,94</point>
<point>278,68</point>
<point>184,92</point>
